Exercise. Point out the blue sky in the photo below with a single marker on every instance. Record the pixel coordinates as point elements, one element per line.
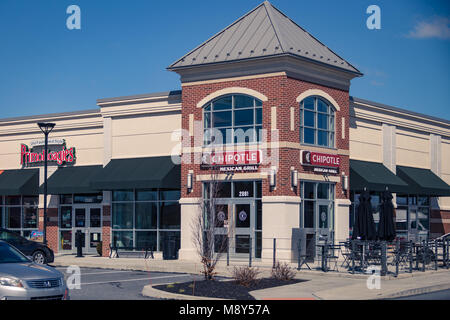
<point>124,47</point>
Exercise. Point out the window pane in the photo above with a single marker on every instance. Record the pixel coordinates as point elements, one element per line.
<point>331,123</point>
<point>66,199</point>
<point>222,119</point>
<point>258,215</point>
<point>308,103</point>
<point>95,217</point>
<point>208,107</point>
<point>401,218</point>
<point>207,123</point>
<point>122,239</point>
<point>309,214</point>
<point>402,199</point>
<point>147,195</point>
<point>146,240</point>
<point>170,194</point>
<point>423,222</point>
<point>309,190</point>
<point>322,121</point>
<point>66,240</point>
<point>309,119</point>
<point>30,217</point>
<point>258,189</point>
<point>323,191</point>
<point>259,114</point>
<point>30,201</point>
<point>170,215</point>
<point>308,136</point>
<point>13,200</point>
<point>223,190</point>
<point>412,200</point>
<point>243,102</point>
<point>1,200</point>
<point>123,195</point>
<point>243,117</point>
<point>323,138</point>
<point>258,103</point>
<point>222,104</point>
<point>12,217</point>
<point>423,201</point>
<point>146,215</point>
<point>322,106</point>
<point>88,198</point>
<point>243,189</point>
<point>122,215</point>
<point>65,217</point>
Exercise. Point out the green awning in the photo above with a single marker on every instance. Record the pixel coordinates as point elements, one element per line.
<point>68,180</point>
<point>423,181</point>
<point>138,173</point>
<point>19,182</point>
<point>374,176</point>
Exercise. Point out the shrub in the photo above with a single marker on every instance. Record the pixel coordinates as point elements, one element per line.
<point>283,272</point>
<point>100,248</point>
<point>246,276</point>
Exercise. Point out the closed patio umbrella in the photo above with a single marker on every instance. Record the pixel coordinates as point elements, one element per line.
<point>386,227</point>
<point>364,226</point>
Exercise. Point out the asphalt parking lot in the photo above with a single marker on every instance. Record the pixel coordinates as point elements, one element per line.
<point>102,284</point>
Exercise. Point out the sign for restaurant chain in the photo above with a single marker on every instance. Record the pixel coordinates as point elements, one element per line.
<point>233,161</point>
<point>322,162</point>
<point>57,153</point>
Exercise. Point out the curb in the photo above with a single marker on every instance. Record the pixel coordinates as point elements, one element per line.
<point>149,291</point>
<point>416,291</point>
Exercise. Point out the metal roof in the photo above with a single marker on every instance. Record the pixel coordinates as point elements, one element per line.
<point>263,32</point>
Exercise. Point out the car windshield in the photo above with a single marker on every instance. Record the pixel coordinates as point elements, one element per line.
<point>9,254</point>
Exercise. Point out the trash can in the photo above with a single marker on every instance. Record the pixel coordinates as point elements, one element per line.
<point>169,248</point>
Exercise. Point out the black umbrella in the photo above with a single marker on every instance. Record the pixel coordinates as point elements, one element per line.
<point>364,226</point>
<point>386,227</point>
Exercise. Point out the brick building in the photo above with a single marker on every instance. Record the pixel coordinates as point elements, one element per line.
<point>265,110</point>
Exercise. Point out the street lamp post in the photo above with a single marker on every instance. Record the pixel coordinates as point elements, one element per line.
<point>46,128</point>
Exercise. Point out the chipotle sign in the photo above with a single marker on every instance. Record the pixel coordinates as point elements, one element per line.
<point>232,158</point>
<point>322,162</point>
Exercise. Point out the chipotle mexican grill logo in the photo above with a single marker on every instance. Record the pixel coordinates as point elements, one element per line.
<point>321,162</point>
<point>57,153</point>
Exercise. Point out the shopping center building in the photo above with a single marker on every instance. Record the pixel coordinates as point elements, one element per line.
<point>264,108</point>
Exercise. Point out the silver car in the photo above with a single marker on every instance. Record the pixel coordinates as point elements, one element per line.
<point>22,279</point>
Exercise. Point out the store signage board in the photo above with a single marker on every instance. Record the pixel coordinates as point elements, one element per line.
<point>240,161</point>
<point>58,153</point>
<point>321,162</point>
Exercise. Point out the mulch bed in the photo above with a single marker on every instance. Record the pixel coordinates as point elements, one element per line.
<point>223,289</point>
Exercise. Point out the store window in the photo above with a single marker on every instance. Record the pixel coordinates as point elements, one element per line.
<point>317,209</point>
<point>19,214</point>
<point>233,119</point>
<point>413,217</point>
<point>146,218</point>
<point>317,122</point>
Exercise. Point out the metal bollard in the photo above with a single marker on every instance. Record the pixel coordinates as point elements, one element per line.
<point>353,256</point>
<point>228,251</point>
<point>397,256</point>
<point>410,256</point>
<point>383,258</point>
<point>299,254</point>
<point>435,255</point>
<point>424,255</point>
<point>250,253</point>
<point>274,251</point>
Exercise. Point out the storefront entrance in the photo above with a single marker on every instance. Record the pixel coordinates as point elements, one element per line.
<point>80,214</point>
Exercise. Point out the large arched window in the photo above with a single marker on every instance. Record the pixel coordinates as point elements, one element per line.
<point>232,119</point>
<point>317,122</point>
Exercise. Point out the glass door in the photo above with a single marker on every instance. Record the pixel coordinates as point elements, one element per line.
<point>80,223</point>
<point>87,219</point>
<point>244,227</point>
<point>95,228</point>
<point>412,225</point>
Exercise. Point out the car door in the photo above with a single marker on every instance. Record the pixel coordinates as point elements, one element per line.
<point>19,242</point>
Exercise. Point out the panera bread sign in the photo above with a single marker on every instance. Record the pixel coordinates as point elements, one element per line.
<point>321,162</point>
<point>58,153</point>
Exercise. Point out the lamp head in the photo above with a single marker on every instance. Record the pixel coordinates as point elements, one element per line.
<point>46,128</point>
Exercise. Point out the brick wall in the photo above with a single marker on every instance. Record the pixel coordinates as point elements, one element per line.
<point>52,227</point>
<point>442,227</point>
<point>106,230</point>
<point>282,93</point>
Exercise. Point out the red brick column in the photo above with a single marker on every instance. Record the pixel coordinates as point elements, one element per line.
<point>442,227</point>
<point>52,227</point>
<point>106,230</point>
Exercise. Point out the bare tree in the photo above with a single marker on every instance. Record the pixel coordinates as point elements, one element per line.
<point>209,245</point>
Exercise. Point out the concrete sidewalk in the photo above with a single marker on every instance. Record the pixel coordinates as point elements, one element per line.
<point>320,285</point>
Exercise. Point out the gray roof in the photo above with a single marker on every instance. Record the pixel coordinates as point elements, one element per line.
<point>263,32</point>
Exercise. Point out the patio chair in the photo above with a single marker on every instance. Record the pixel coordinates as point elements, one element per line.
<point>346,253</point>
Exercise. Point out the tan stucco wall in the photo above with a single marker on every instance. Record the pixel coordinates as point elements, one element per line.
<point>413,149</point>
<point>145,135</point>
<point>445,169</point>
<point>366,140</point>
